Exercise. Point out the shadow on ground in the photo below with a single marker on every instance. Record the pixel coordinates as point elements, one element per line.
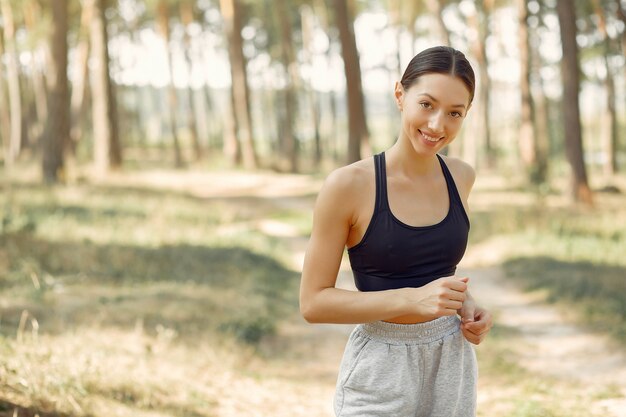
<point>598,288</point>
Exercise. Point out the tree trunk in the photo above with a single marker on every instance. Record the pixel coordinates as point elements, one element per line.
<point>580,190</point>
<point>231,14</point>
<point>13,80</point>
<point>527,144</point>
<point>358,134</point>
<point>307,35</point>
<point>293,81</point>
<point>107,153</point>
<point>435,8</point>
<point>58,126</point>
<point>32,16</point>
<point>186,15</point>
<point>5,114</point>
<point>80,71</point>
<point>480,133</point>
<point>609,119</point>
<point>163,23</point>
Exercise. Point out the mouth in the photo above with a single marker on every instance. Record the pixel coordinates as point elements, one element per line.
<point>430,139</point>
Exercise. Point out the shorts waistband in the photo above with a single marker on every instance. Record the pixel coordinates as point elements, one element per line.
<point>419,333</point>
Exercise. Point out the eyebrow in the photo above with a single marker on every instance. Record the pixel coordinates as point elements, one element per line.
<point>437,101</point>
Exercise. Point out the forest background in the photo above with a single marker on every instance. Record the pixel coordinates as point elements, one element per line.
<point>160,161</point>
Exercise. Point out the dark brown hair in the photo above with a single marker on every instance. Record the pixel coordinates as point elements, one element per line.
<point>442,60</point>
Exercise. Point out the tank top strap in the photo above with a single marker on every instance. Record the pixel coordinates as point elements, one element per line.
<point>381,182</point>
<point>453,192</point>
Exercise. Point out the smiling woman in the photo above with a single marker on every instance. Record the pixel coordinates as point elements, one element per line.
<point>403,216</point>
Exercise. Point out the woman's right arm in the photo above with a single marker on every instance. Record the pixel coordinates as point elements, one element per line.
<point>321,302</point>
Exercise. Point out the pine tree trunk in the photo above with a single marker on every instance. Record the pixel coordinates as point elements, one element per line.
<point>186,15</point>
<point>580,190</point>
<point>480,132</point>
<point>435,7</point>
<point>13,80</point>
<point>609,119</point>
<point>306,14</point>
<point>293,81</point>
<point>32,16</point>
<point>107,152</point>
<point>527,144</point>
<point>231,14</point>
<point>163,22</point>
<point>5,114</point>
<point>80,70</point>
<point>58,127</point>
<point>358,134</point>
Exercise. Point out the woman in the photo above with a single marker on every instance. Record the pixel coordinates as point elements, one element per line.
<point>402,215</point>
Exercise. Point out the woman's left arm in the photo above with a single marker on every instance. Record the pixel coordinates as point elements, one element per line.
<point>475,320</point>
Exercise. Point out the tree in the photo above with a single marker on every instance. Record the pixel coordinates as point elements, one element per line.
<point>609,119</point>
<point>187,18</point>
<point>527,135</point>
<point>107,149</point>
<point>288,58</point>
<point>580,190</point>
<point>358,134</point>
<point>163,25</point>
<point>80,70</point>
<point>231,13</point>
<point>13,80</point>
<point>58,126</point>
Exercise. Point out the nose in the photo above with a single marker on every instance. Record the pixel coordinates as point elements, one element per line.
<point>435,123</point>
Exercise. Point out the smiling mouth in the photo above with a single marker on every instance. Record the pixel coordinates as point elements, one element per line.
<point>429,138</point>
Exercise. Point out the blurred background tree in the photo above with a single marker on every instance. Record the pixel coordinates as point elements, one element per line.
<point>260,84</point>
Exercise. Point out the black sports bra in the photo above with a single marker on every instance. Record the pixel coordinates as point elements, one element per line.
<point>393,254</point>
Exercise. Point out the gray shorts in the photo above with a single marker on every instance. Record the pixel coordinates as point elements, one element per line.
<point>407,370</point>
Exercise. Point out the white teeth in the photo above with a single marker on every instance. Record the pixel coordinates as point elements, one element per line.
<point>430,138</point>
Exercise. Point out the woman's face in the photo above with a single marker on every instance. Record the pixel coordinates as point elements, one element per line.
<point>432,111</point>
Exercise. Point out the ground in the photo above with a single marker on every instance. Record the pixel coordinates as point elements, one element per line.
<point>537,361</point>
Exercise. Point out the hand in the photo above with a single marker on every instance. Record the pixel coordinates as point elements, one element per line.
<point>475,321</point>
<point>442,297</point>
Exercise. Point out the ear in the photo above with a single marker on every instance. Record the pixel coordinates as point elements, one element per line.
<point>399,95</point>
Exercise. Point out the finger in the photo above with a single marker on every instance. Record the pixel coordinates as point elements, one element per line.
<point>476,328</point>
<point>458,284</point>
<point>472,338</point>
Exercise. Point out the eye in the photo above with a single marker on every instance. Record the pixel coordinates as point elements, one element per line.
<point>425,105</point>
<point>456,114</point>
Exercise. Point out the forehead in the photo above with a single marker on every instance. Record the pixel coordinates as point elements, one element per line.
<point>447,89</point>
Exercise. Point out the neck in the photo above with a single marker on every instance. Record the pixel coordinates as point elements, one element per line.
<point>405,160</point>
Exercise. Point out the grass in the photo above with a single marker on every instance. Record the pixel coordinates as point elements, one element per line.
<point>107,291</point>
<point>136,301</point>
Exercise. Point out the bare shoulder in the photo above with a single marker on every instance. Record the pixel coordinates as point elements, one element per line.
<point>462,172</point>
<point>343,187</point>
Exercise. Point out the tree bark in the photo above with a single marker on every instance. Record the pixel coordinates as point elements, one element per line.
<point>107,152</point>
<point>13,79</point>
<point>186,15</point>
<point>58,126</point>
<point>435,7</point>
<point>358,134</point>
<point>306,14</point>
<point>163,23</point>
<point>481,130</point>
<point>609,118</point>
<point>580,190</point>
<point>5,114</point>
<point>527,143</point>
<point>80,69</point>
<point>290,142</point>
<point>231,13</point>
